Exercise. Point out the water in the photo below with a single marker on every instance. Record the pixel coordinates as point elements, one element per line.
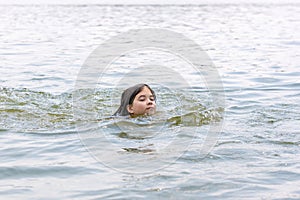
<point>44,156</point>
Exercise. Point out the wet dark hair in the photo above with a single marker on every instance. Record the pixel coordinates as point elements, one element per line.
<point>128,97</point>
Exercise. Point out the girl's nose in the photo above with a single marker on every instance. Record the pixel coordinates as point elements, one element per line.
<point>149,102</point>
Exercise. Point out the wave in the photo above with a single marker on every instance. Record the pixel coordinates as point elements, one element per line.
<point>27,110</point>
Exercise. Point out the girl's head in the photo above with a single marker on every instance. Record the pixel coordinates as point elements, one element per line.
<point>137,100</point>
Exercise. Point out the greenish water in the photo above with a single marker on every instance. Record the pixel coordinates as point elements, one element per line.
<point>52,148</point>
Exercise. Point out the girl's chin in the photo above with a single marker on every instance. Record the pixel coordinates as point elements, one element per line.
<point>150,111</point>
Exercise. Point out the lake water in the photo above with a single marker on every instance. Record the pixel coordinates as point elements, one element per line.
<point>51,149</point>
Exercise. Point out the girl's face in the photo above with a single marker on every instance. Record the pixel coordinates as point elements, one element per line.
<point>143,103</point>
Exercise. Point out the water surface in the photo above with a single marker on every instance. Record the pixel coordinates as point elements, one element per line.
<point>256,51</point>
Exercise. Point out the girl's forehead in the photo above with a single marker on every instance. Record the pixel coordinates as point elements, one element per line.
<point>145,90</point>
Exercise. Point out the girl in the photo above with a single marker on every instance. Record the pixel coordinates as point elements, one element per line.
<point>137,100</point>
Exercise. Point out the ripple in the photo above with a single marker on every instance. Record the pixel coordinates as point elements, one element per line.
<point>254,47</point>
<point>20,172</point>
